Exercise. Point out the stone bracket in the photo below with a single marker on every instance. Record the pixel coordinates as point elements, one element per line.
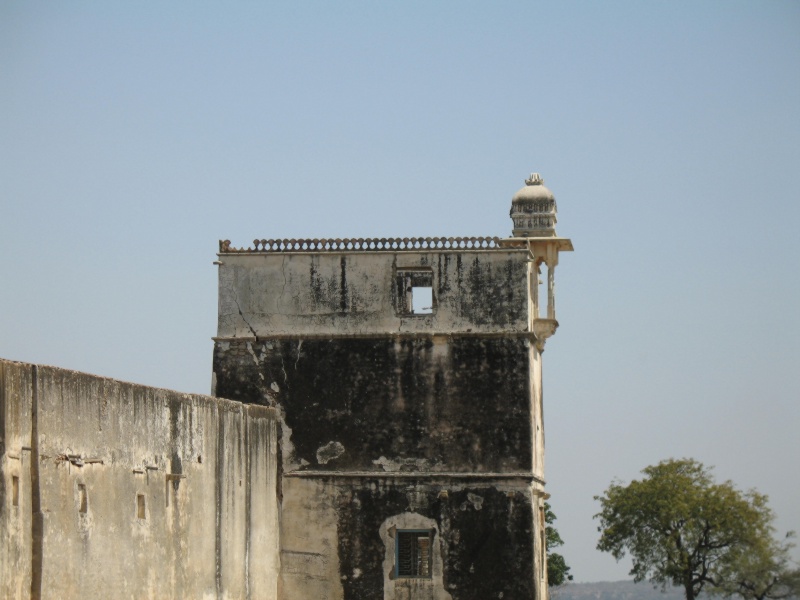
<point>543,329</point>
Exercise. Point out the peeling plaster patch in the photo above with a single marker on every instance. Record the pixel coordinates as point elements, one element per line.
<point>283,368</point>
<point>274,387</point>
<point>401,464</point>
<point>387,465</point>
<point>289,460</point>
<point>252,353</point>
<point>328,452</point>
<point>475,500</point>
<point>356,573</point>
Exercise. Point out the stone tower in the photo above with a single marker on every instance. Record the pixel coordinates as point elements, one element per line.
<point>407,373</point>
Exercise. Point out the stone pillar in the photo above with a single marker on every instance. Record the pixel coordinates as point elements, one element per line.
<point>534,283</point>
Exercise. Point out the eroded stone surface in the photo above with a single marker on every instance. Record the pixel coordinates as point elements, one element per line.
<point>142,492</point>
<point>328,452</point>
<point>393,419</point>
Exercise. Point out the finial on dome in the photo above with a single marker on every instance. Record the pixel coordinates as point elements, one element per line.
<point>534,179</point>
<point>533,209</point>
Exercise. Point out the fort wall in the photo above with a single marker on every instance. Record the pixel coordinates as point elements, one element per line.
<point>115,490</point>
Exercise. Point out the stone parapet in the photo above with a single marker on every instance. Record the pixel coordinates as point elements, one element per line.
<point>365,244</point>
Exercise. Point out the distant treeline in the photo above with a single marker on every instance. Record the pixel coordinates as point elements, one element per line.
<point>617,590</point>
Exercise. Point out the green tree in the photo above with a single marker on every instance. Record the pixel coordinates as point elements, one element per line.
<point>557,567</point>
<point>763,571</point>
<point>680,527</point>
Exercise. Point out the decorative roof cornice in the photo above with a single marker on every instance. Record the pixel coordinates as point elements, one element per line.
<point>369,245</point>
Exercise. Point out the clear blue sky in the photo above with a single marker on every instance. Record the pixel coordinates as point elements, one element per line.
<point>135,135</point>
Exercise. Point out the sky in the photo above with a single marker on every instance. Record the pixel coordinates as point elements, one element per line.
<point>136,135</point>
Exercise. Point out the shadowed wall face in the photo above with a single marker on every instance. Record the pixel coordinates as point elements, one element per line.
<point>449,404</point>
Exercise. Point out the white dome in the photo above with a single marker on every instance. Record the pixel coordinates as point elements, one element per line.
<point>533,209</point>
<point>534,190</point>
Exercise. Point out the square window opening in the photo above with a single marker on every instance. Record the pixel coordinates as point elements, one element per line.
<point>413,553</point>
<point>415,292</point>
<point>422,300</point>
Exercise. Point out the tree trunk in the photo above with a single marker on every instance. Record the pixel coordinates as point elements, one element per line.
<point>688,589</point>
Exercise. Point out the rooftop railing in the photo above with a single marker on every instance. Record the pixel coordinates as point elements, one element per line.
<point>366,244</point>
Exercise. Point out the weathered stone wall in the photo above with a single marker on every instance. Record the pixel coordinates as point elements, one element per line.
<point>394,421</point>
<point>427,403</point>
<point>340,545</point>
<point>116,490</point>
<point>318,294</point>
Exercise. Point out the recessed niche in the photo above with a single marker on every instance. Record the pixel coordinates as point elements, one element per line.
<point>83,502</point>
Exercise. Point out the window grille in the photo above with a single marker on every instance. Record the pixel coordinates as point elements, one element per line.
<point>413,553</point>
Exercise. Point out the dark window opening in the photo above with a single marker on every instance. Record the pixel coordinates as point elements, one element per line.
<point>415,292</point>
<point>140,511</point>
<point>14,490</point>
<point>413,553</point>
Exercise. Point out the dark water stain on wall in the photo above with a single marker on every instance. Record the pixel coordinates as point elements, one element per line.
<point>491,294</point>
<point>485,538</point>
<point>463,406</point>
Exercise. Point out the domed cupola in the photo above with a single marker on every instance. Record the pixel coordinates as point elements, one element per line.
<point>533,209</point>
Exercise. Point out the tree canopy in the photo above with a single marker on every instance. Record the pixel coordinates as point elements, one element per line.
<point>680,527</point>
<point>762,571</point>
<point>557,567</point>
